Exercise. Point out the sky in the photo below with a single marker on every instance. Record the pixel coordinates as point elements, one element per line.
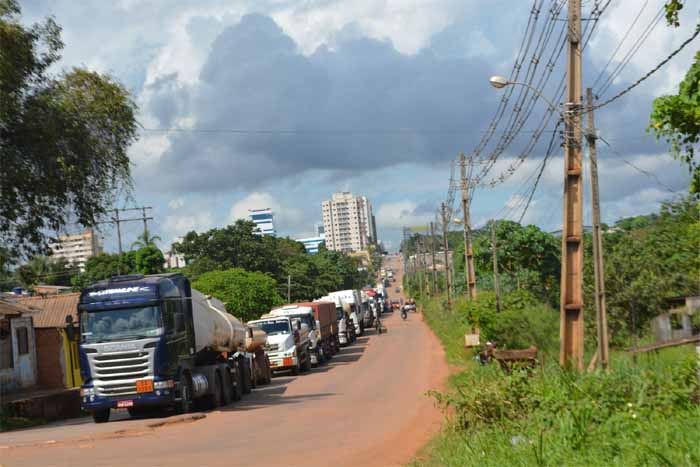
<point>279,103</point>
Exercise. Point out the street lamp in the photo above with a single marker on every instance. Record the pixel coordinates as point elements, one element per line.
<point>500,82</point>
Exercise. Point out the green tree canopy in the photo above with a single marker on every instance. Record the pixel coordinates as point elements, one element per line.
<point>148,260</point>
<point>63,139</point>
<point>247,295</point>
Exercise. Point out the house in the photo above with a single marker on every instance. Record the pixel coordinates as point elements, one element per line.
<point>18,360</point>
<point>57,353</point>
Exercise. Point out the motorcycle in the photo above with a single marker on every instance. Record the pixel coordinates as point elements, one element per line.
<point>404,313</point>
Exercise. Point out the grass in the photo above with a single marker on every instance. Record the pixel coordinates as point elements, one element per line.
<point>643,414</point>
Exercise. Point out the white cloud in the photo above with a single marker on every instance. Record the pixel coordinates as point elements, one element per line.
<point>175,226</point>
<point>401,214</point>
<point>176,203</point>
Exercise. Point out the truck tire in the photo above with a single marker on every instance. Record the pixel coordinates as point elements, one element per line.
<point>185,405</point>
<point>237,387</point>
<point>268,372</point>
<point>296,369</point>
<point>216,399</point>
<point>100,416</point>
<point>227,387</point>
<point>245,378</point>
<point>307,364</point>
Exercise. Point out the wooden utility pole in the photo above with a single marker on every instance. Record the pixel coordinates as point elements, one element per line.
<point>598,265</point>
<point>432,254</point>
<point>468,255</point>
<point>494,256</point>
<point>116,220</point>
<point>571,306</point>
<point>289,288</point>
<point>447,255</point>
<point>419,265</point>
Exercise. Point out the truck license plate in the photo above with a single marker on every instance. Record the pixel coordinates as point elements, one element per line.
<point>144,385</point>
<point>125,403</point>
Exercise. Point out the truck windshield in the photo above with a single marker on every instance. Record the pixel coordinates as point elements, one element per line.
<point>339,313</point>
<point>280,326</point>
<point>121,324</point>
<point>308,319</point>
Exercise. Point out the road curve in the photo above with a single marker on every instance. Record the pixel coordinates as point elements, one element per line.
<point>366,407</point>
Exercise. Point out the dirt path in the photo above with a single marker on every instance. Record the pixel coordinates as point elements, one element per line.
<point>367,407</point>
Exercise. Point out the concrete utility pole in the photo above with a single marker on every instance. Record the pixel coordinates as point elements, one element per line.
<point>419,266</point>
<point>468,254</point>
<point>432,254</point>
<point>571,307</point>
<point>598,265</point>
<point>117,221</point>
<point>494,256</point>
<point>447,257</point>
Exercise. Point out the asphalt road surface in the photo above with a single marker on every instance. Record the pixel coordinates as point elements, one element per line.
<point>365,407</point>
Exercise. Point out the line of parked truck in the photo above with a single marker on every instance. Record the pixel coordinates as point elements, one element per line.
<point>154,342</point>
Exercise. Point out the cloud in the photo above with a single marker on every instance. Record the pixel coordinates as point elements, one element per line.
<point>175,226</point>
<point>176,203</point>
<point>401,214</point>
<point>362,106</point>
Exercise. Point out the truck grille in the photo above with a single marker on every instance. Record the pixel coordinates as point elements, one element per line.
<point>272,347</point>
<point>116,373</point>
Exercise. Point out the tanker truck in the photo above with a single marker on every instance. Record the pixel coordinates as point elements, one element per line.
<point>153,341</point>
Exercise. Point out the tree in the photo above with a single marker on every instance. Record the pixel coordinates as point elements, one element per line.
<point>145,240</point>
<point>676,118</point>
<point>246,295</point>
<point>45,270</point>
<point>63,139</point>
<point>104,266</point>
<point>149,260</point>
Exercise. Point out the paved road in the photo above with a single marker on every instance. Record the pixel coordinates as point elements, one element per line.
<point>366,407</point>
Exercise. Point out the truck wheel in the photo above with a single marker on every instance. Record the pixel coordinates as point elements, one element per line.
<point>237,388</point>
<point>307,363</point>
<point>227,388</point>
<point>100,416</point>
<point>185,405</point>
<point>246,386</point>
<point>296,369</point>
<point>268,372</point>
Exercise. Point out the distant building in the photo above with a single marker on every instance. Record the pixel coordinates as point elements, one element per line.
<point>312,244</point>
<point>263,219</point>
<point>174,260</point>
<point>76,249</point>
<point>348,222</point>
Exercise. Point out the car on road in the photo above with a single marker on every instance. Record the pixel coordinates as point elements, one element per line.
<point>395,305</point>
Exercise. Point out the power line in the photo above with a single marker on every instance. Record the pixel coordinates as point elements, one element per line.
<point>653,70</point>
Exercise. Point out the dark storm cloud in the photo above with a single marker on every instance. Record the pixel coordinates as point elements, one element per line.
<point>350,108</point>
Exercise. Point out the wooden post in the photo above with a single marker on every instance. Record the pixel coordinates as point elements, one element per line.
<point>468,255</point>
<point>494,255</point>
<point>432,254</point>
<point>445,226</point>
<point>598,264</point>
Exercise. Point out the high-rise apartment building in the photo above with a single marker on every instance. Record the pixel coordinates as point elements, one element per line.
<point>347,222</point>
<point>76,249</point>
<point>263,219</point>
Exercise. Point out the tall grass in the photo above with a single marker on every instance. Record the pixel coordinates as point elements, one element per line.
<point>644,414</point>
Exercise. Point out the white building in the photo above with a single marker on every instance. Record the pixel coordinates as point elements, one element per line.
<point>347,222</point>
<point>312,244</point>
<point>174,260</point>
<point>76,249</point>
<point>264,220</point>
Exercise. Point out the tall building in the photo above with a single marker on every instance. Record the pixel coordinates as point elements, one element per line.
<point>312,244</point>
<point>76,249</point>
<point>263,219</point>
<point>347,222</point>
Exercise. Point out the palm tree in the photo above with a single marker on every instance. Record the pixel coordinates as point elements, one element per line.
<point>145,240</point>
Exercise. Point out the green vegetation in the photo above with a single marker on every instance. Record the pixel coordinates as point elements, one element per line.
<point>645,414</point>
<point>63,137</point>
<point>639,413</point>
<point>247,295</point>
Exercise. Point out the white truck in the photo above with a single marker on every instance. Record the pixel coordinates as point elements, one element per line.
<point>287,342</point>
<point>351,299</point>
<point>345,337</point>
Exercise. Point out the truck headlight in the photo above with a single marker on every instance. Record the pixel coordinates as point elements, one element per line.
<point>87,391</point>
<point>163,384</point>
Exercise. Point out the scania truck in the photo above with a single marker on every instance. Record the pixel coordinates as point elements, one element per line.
<point>153,341</point>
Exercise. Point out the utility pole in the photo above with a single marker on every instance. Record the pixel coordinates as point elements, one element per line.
<point>571,306</point>
<point>468,255</point>
<point>446,247</point>
<point>598,265</point>
<point>419,261</point>
<point>494,256</point>
<point>117,221</point>
<point>289,288</point>
<point>432,254</point>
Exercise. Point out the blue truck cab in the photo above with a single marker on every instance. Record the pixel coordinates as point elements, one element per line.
<point>136,338</point>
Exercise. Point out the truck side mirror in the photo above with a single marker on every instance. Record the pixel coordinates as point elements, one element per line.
<point>179,321</point>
